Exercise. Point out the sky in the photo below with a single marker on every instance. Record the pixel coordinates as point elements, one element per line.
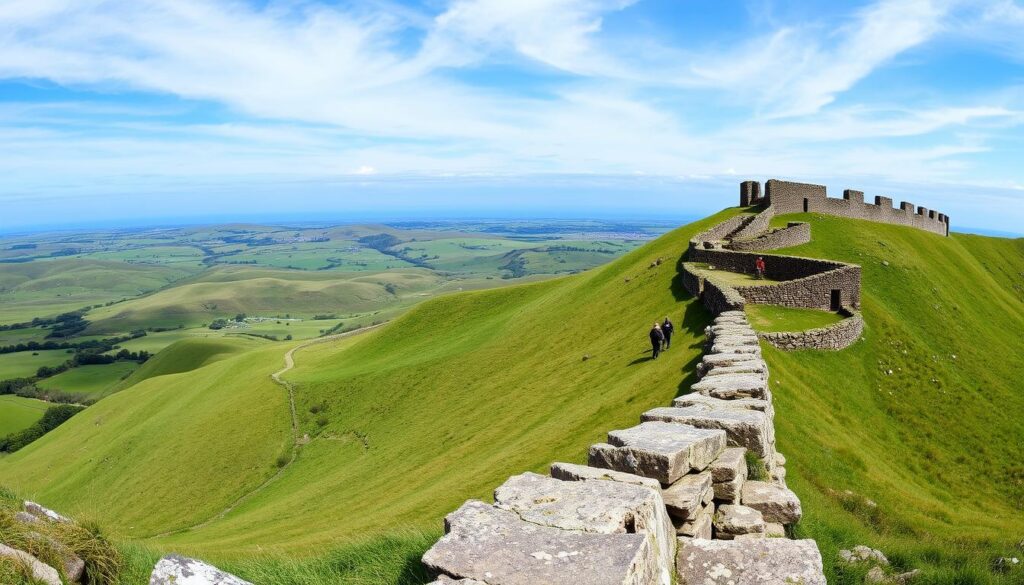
<point>130,112</point>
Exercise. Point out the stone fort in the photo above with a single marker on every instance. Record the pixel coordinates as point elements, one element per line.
<point>788,197</point>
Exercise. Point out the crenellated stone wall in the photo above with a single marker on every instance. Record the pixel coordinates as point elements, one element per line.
<point>790,197</point>
<point>796,233</point>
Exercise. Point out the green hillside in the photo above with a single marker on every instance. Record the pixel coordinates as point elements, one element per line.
<point>446,402</point>
<point>18,413</point>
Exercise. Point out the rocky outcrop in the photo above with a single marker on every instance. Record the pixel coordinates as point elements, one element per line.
<point>178,570</point>
<point>749,562</point>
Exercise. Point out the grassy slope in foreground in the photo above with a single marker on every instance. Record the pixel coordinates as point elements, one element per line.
<point>923,417</point>
<point>449,400</point>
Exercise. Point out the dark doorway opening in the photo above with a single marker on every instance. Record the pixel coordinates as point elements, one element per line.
<point>807,205</point>
<point>837,299</point>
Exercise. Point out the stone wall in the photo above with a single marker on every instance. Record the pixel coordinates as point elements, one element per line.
<point>672,499</point>
<point>796,233</point>
<point>804,282</point>
<point>721,231</point>
<point>717,297</point>
<point>789,197</point>
<point>756,226</point>
<point>834,337</point>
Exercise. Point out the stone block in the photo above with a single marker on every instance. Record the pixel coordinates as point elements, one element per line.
<point>743,428</point>
<point>45,513</point>
<point>726,347</point>
<point>735,339</point>
<point>749,562</point>
<point>500,548</point>
<point>710,403</point>
<point>574,472</point>
<point>39,570</point>
<point>777,504</point>
<point>714,360</point>
<point>732,463</point>
<point>659,450</point>
<point>733,386</point>
<point>729,492</point>
<point>732,521</point>
<point>178,570</point>
<point>701,526</point>
<point>601,507</point>
<point>757,367</point>
<point>686,497</point>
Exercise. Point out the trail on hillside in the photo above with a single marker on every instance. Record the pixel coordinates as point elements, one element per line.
<point>297,442</point>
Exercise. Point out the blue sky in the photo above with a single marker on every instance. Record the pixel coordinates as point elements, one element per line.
<point>135,111</point>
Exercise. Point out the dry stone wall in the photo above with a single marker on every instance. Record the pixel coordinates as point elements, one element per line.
<point>756,226</point>
<point>790,197</point>
<point>796,233</point>
<point>672,496</point>
<point>838,336</point>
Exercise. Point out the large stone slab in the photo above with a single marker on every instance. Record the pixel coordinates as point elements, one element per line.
<point>659,450</point>
<point>776,504</point>
<point>442,580</point>
<point>714,360</point>
<point>774,561</point>
<point>498,547</point>
<point>757,366</point>
<point>574,472</point>
<point>602,507</point>
<point>178,570</point>
<point>710,403</point>
<point>735,338</point>
<point>733,386</point>
<point>729,492</point>
<point>744,428</point>
<point>726,347</point>
<point>732,521</point>
<point>687,496</point>
<point>39,570</point>
<point>732,463</point>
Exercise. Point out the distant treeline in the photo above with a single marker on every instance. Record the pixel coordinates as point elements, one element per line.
<point>92,344</point>
<point>52,418</point>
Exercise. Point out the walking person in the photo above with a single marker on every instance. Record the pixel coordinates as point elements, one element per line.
<point>657,338</point>
<point>666,331</point>
<point>760,267</point>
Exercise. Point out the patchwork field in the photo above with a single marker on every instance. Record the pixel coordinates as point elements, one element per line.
<point>17,413</point>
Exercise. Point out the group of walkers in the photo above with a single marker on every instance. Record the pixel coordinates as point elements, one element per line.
<point>661,336</point>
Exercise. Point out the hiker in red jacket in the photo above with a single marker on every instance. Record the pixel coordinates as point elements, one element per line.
<point>760,267</point>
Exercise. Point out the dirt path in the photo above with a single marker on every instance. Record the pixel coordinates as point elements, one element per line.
<point>297,442</point>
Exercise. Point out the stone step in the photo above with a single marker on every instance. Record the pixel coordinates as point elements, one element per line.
<point>574,472</point>
<point>659,450</point>
<point>750,367</point>
<point>749,562</point>
<point>733,386</point>
<point>714,360</point>
<point>600,507</point>
<point>743,428</point>
<point>777,504</point>
<point>732,338</point>
<point>733,520</point>
<point>710,403</point>
<point>498,547</point>
<point>753,350</point>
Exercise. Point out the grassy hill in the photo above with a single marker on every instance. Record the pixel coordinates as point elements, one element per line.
<point>444,403</point>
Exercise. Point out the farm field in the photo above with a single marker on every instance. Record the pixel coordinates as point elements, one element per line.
<point>93,380</point>
<point>25,363</point>
<point>17,413</point>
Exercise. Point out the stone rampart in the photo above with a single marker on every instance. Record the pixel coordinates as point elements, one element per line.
<point>834,337</point>
<point>756,226</point>
<point>721,231</point>
<point>717,297</point>
<point>796,233</point>
<point>673,499</point>
<point>790,197</point>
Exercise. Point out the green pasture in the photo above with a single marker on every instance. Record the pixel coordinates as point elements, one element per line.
<point>17,413</point>
<point>24,364</point>
<point>94,380</point>
<point>775,318</point>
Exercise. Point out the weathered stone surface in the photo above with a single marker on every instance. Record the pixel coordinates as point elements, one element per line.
<point>713,360</point>
<point>39,570</point>
<point>498,547</point>
<point>728,347</point>
<point>775,561</point>
<point>700,526</point>
<point>178,570</point>
<point>863,554</point>
<point>777,504</point>
<point>733,386</point>
<point>732,521</point>
<point>774,530</point>
<point>757,366</point>
<point>602,507</point>
<point>73,565</point>
<point>26,518</point>
<point>45,513</point>
<point>685,498</point>
<point>574,472</point>
<point>732,463</point>
<point>659,450</point>
<point>442,580</point>
<point>780,459</point>
<point>729,492</point>
<point>710,403</point>
<point>743,428</point>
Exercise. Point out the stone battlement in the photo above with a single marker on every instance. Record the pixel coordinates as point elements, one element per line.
<point>789,197</point>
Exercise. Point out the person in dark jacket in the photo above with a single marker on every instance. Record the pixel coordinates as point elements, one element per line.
<point>657,338</point>
<point>666,331</point>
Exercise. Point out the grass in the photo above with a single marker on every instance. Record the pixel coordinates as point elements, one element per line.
<point>24,364</point>
<point>18,413</point>
<point>775,318</point>
<point>732,278</point>
<point>909,441</point>
<point>94,380</point>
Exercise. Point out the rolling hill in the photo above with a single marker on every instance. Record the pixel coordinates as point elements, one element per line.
<point>909,441</point>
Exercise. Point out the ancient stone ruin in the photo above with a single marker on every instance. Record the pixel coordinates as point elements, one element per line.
<point>696,491</point>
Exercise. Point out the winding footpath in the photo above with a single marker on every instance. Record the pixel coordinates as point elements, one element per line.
<point>297,442</point>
